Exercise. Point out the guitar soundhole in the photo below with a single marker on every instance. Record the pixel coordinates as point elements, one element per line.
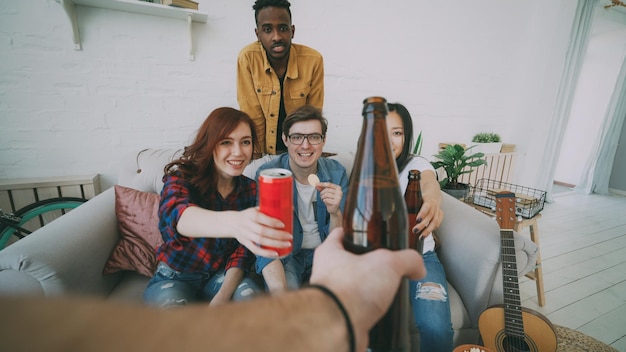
<point>515,344</point>
<point>509,343</point>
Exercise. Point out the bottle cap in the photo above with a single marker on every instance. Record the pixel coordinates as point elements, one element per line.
<point>414,174</point>
<point>374,100</point>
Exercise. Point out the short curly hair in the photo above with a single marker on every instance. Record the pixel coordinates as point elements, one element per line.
<point>261,4</point>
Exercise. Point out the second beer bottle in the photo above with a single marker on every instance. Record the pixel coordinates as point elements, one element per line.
<point>414,201</point>
<point>375,217</point>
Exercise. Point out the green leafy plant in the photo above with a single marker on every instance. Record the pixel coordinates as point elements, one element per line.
<point>417,150</point>
<point>485,137</point>
<point>454,160</point>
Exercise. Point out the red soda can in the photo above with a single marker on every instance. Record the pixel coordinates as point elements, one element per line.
<point>276,200</point>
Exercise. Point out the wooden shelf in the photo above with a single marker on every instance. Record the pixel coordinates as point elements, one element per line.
<point>135,6</point>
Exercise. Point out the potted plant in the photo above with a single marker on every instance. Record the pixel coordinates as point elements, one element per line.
<point>486,142</point>
<point>455,161</point>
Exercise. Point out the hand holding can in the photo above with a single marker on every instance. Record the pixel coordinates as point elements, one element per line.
<point>276,200</point>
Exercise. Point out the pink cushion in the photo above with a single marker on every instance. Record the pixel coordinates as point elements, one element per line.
<point>138,225</point>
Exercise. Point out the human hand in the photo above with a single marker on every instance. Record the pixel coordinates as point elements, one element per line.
<point>365,284</point>
<point>331,195</point>
<point>254,229</point>
<point>429,217</point>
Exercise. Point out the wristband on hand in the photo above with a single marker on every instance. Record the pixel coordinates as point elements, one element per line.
<point>343,310</point>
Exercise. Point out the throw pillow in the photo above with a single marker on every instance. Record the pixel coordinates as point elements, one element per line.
<point>138,225</point>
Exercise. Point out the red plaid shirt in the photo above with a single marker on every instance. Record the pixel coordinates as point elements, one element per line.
<point>187,254</point>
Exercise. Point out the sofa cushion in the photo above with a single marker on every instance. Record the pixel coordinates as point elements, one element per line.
<point>144,170</point>
<point>138,226</point>
<point>130,288</point>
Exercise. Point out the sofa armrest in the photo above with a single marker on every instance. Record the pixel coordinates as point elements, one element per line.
<point>66,256</point>
<point>470,253</point>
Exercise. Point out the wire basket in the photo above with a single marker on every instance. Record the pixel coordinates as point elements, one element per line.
<point>528,201</point>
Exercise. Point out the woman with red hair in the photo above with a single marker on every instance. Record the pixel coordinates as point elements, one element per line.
<point>208,220</point>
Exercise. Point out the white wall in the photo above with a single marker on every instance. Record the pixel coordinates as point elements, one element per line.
<point>461,67</point>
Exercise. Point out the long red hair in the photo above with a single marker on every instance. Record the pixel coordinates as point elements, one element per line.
<point>197,163</point>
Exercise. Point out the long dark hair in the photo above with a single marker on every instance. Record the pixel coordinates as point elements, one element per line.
<point>407,124</point>
<point>197,163</point>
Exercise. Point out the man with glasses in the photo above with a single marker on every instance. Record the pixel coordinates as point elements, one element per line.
<point>317,208</point>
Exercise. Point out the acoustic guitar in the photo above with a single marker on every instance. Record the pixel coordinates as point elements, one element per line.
<point>511,327</point>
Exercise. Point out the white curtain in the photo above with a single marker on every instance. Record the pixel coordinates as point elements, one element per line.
<point>573,62</point>
<point>598,167</point>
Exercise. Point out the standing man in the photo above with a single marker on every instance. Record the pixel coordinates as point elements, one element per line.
<point>274,76</point>
<point>317,207</point>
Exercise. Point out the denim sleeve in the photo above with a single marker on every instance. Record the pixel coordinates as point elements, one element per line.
<point>261,263</point>
<point>343,182</point>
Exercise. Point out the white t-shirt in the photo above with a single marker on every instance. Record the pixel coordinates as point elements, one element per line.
<point>417,163</point>
<point>306,214</point>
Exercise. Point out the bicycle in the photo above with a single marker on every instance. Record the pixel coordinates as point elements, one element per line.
<point>33,216</point>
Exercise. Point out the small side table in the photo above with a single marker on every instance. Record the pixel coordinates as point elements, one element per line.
<point>537,274</point>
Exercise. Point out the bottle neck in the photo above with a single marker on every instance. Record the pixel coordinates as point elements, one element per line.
<point>374,147</point>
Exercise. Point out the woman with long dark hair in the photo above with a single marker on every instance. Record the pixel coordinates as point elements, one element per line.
<point>429,296</point>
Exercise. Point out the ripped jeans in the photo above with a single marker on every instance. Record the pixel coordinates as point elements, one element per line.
<point>169,287</point>
<point>431,307</point>
<point>298,268</point>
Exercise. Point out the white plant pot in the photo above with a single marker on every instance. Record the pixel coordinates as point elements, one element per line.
<point>487,148</point>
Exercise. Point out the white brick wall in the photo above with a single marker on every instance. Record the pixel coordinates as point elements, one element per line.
<point>461,67</point>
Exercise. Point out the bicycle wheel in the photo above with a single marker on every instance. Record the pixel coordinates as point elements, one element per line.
<point>35,216</point>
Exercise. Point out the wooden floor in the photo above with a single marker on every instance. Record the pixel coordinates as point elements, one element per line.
<point>583,249</point>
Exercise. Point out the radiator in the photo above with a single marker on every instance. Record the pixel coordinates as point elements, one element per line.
<point>500,167</point>
<point>17,193</point>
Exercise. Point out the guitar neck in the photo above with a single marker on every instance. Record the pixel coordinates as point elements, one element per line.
<point>513,328</point>
<point>514,324</point>
<point>505,214</point>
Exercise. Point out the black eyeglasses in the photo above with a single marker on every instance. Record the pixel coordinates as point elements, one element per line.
<point>313,138</point>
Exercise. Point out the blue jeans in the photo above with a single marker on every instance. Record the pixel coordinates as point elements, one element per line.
<point>298,268</point>
<point>169,287</point>
<point>431,307</point>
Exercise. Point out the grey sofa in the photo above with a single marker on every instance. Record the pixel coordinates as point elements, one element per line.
<point>67,256</point>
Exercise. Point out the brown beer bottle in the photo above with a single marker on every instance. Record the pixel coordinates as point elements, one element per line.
<point>414,201</point>
<point>375,217</point>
